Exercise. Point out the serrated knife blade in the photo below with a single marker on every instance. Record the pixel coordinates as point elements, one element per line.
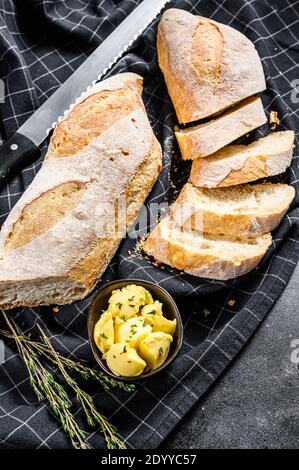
<point>23,144</point>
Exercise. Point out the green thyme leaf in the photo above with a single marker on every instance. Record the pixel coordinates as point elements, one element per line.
<point>36,356</point>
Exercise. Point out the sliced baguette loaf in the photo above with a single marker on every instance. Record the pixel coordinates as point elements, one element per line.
<point>207,66</point>
<point>240,211</point>
<point>207,256</point>
<point>63,231</point>
<point>205,139</point>
<point>236,164</point>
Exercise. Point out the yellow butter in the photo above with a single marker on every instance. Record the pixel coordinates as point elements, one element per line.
<point>126,302</point>
<point>104,332</point>
<point>143,295</point>
<point>152,309</point>
<point>131,331</point>
<point>154,349</point>
<point>123,360</point>
<point>164,325</point>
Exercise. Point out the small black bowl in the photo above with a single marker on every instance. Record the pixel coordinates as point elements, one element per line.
<point>170,311</point>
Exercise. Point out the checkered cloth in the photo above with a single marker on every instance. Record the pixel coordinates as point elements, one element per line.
<point>41,43</point>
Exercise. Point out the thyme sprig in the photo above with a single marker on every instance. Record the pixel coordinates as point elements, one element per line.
<point>86,372</point>
<point>92,415</point>
<point>47,388</point>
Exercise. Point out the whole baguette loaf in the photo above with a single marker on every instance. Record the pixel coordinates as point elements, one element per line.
<point>62,233</point>
<point>207,66</point>
<point>205,139</point>
<point>207,256</point>
<point>239,211</point>
<point>236,164</point>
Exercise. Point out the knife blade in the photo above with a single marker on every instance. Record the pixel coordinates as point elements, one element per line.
<point>19,149</point>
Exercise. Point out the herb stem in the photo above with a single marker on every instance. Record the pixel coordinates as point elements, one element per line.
<point>85,371</point>
<point>92,415</point>
<point>47,388</point>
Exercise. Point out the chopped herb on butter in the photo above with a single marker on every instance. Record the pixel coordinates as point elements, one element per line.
<point>133,334</point>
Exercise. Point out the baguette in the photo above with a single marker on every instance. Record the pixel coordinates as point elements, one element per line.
<point>59,237</point>
<point>206,256</point>
<point>236,164</point>
<point>204,139</point>
<point>207,66</point>
<point>241,211</point>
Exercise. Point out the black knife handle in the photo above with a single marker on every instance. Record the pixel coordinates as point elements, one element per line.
<point>17,151</point>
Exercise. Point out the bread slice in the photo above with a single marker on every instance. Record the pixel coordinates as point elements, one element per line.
<point>103,159</point>
<point>205,139</point>
<point>236,164</point>
<point>207,66</point>
<point>207,256</point>
<point>239,211</point>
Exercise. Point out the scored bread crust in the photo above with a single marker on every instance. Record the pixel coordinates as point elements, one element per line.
<point>138,189</point>
<point>205,139</point>
<point>237,164</point>
<point>58,257</point>
<point>192,259</point>
<point>207,66</point>
<point>194,209</point>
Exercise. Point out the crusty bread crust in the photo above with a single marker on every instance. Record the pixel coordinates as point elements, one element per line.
<point>237,164</point>
<point>207,66</point>
<point>86,273</point>
<point>96,113</point>
<point>59,258</point>
<point>205,139</point>
<point>199,261</point>
<point>195,209</point>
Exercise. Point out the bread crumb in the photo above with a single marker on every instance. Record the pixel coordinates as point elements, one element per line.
<point>206,312</point>
<point>274,120</point>
<point>231,302</point>
<point>55,309</point>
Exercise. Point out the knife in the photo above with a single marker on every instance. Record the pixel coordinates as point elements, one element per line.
<point>23,146</point>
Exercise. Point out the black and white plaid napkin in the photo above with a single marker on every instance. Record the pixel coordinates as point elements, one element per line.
<point>41,43</point>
